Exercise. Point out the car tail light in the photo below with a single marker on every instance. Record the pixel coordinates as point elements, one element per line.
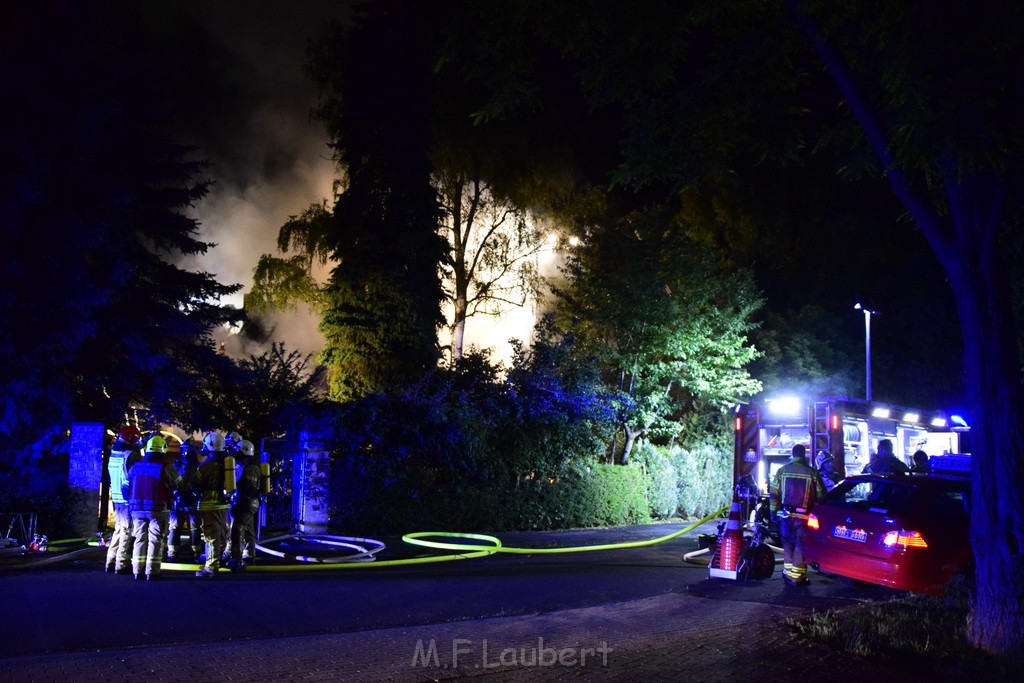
<point>812,522</point>
<point>904,539</point>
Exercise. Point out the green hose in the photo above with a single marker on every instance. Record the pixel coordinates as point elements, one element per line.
<point>416,538</point>
<point>493,546</point>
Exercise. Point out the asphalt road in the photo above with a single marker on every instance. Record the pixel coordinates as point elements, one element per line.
<point>73,606</point>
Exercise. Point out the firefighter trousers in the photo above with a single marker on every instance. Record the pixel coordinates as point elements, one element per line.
<point>242,546</point>
<point>182,521</point>
<point>150,531</point>
<point>214,525</point>
<point>120,547</point>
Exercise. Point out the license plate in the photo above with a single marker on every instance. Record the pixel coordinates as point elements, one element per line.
<point>858,535</point>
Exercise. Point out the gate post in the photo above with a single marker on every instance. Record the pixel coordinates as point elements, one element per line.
<point>84,476</point>
<point>312,470</point>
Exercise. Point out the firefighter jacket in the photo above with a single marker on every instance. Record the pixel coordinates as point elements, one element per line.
<point>249,486</point>
<point>796,487</point>
<point>886,464</point>
<point>122,457</point>
<point>152,483</point>
<point>186,499</point>
<point>209,484</point>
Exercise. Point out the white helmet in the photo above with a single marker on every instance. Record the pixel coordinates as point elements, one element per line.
<point>246,448</point>
<point>233,440</point>
<point>213,442</point>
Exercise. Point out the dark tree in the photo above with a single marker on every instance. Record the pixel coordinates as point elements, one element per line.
<point>383,299</point>
<point>724,95</point>
<point>95,316</point>
<point>937,91</point>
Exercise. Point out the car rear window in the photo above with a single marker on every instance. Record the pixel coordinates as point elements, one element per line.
<point>951,503</point>
<point>884,497</point>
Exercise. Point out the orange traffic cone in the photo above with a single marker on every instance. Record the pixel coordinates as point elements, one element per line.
<point>726,560</point>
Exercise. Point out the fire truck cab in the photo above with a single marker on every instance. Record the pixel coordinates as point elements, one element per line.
<point>844,428</point>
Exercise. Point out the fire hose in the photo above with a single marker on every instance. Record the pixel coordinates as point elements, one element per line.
<point>364,557</point>
<point>362,551</point>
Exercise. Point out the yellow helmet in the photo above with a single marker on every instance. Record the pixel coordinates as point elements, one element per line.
<point>156,444</point>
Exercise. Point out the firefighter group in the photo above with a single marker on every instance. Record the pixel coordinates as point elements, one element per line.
<point>210,494</point>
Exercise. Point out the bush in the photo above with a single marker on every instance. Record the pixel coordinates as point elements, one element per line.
<point>661,478</point>
<point>705,479</point>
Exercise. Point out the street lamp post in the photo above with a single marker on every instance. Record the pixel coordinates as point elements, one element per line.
<point>867,345</point>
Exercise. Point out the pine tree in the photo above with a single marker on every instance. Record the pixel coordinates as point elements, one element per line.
<point>96,316</point>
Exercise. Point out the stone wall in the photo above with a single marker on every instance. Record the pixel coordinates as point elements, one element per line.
<point>311,472</point>
<point>85,469</point>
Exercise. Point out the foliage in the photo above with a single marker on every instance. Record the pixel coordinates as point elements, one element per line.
<point>95,315</point>
<point>661,480</point>
<point>382,301</point>
<point>261,396</point>
<point>953,162</point>
<point>464,447</point>
<point>669,330</point>
<point>705,478</point>
<point>805,353</point>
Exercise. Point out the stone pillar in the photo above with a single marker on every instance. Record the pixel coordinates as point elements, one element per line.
<point>312,469</point>
<point>85,471</point>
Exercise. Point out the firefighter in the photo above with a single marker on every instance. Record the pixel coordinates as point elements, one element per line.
<point>885,462</point>
<point>152,483</point>
<point>214,502</point>
<point>124,453</point>
<point>185,513</point>
<point>242,546</point>
<point>921,463</point>
<point>232,442</point>
<point>826,465</point>
<point>795,489</point>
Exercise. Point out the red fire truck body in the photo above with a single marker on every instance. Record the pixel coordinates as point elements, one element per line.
<point>848,429</point>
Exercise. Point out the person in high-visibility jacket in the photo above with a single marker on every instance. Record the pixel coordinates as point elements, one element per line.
<point>242,546</point>
<point>214,502</point>
<point>796,487</point>
<point>125,452</point>
<point>184,516</point>
<point>152,483</point>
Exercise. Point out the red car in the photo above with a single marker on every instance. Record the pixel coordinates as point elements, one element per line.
<point>908,531</point>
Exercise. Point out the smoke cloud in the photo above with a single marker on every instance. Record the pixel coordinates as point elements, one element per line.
<point>236,71</point>
<point>243,100</point>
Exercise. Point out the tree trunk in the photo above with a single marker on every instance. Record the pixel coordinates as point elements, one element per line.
<point>966,244</point>
<point>991,374</point>
<point>459,327</point>
<point>631,437</point>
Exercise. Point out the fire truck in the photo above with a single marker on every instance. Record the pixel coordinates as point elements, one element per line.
<point>846,429</point>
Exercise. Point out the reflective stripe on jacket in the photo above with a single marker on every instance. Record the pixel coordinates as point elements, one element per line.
<point>117,467</point>
<point>152,485</point>
<point>796,487</point>
<point>209,484</point>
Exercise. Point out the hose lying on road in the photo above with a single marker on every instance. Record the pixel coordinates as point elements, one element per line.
<point>490,545</point>
<point>364,550</point>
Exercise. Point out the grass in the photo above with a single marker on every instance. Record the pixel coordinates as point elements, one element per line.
<point>913,633</point>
